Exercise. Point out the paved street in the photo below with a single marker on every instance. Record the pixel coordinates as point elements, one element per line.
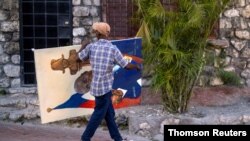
<point>18,132</point>
<point>31,132</point>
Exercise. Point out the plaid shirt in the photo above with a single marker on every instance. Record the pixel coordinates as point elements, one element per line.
<point>103,56</point>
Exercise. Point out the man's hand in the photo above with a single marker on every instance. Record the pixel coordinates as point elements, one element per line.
<point>133,66</point>
<point>138,67</point>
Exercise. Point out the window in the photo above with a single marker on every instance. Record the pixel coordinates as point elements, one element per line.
<point>44,24</point>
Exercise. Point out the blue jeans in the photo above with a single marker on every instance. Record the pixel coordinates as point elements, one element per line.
<point>103,109</point>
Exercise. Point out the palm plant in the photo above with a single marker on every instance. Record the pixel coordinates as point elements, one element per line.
<point>173,45</point>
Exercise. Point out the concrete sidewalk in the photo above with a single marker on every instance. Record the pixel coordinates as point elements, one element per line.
<point>32,132</point>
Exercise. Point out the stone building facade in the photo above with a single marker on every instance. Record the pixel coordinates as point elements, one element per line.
<point>234,40</point>
<point>84,13</point>
<point>9,46</point>
<point>21,101</point>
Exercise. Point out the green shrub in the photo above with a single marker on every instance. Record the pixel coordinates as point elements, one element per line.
<point>210,57</point>
<point>229,78</point>
<point>2,92</point>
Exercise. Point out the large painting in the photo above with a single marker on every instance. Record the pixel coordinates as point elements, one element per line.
<point>63,83</point>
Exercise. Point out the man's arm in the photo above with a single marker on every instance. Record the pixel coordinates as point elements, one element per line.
<point>84,44</point>
<point>124,63</point>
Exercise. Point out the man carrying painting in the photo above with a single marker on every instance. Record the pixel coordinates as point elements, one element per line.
<point>103,55</point>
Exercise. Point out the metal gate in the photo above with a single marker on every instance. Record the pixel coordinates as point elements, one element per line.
<point>119,13</point>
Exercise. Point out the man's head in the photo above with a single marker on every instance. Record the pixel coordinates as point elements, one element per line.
<point>101,29</point>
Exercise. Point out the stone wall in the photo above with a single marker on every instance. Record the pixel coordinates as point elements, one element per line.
<point>85,13</point>
<point>235,28</point>
<point>232,50</point>
<point>9,48</point>
<point>22,99</point>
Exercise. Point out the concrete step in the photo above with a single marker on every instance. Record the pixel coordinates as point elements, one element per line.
<point>15,114</point>
<point>18,100</point>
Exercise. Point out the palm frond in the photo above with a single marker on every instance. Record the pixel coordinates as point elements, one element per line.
<point>156,10</point>
<point>173,45</point>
